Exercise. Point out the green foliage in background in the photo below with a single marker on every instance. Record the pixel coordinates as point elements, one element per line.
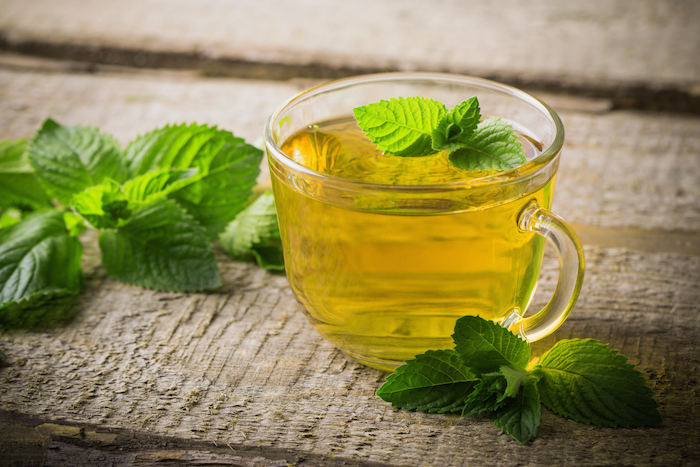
<point>157,204</point>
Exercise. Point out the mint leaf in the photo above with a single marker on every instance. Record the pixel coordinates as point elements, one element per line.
<point>102,205</point>
<point>520,416</point>
<point>436,381</point>
<point>160,247</point>
<point>38,259</point>
<point>402,127</point>
<point>227,169</point>
<point>69,159</point>
<point>10,217</point>
<point>590,383</point>
<point>488,395</point>
<point>224,192</point>
<point>494,389</point>
<point>255,231</point>
<point>108,205</point>
<point>179,146</point>
<point>485,346</point>
<point>455,129</point>
<point>74,223</point>
<point>42,310</point>
<point>13,157</point>
<point>514,377</point>
<point>18,185</point>
<point>156,185</point>
<point>417,126</point>
<point>492,146</point>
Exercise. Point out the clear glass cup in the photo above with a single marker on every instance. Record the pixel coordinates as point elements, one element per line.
<point>383,271</point>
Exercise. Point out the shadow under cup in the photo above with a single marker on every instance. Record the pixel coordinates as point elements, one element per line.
<point>384,271</point>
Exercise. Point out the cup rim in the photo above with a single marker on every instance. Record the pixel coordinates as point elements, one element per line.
<point>506,177</point>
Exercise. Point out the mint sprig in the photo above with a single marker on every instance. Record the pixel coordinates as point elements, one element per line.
<point>157,205</point>
<point>488,373</point>
<point>417,127</point>
<point>454,130</point>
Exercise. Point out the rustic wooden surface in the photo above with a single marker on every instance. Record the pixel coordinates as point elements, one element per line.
<point>237,376</point>
<point>644,41</point>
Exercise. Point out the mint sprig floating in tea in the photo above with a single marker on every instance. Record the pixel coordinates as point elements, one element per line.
<point>157,205</point>
<point>403,127</point>
<point>488,373</point>
<point>418,126</point>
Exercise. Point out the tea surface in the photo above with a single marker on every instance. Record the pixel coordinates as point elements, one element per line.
<point>339,147</point>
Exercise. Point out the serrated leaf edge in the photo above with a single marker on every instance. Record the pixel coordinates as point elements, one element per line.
<point>540,371</point>
<point>196,225</point>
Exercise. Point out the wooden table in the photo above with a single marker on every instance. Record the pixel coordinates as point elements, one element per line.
<point>238,377</point>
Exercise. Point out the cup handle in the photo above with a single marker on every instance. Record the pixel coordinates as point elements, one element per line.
<point>536,219</point>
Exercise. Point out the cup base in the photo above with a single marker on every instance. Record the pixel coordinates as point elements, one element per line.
<point>389,366</point>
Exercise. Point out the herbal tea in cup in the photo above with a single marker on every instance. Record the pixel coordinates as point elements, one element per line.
<point>408,200</point>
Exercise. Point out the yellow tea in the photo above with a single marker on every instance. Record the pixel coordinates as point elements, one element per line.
<point>385,278</point>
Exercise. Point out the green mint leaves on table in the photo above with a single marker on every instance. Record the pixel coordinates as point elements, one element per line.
<point>417,126</point>
<point>157,204</point>
<point>226,166</point>
<point>255,232</point>
<point>39,270</point>
<point>488,373</point>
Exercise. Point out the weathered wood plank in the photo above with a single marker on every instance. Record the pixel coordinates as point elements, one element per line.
<point>33,442</point>
<point>648,42</point>
<point>128,105</point>
<point>625,169</point>
<point>244,367</point>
